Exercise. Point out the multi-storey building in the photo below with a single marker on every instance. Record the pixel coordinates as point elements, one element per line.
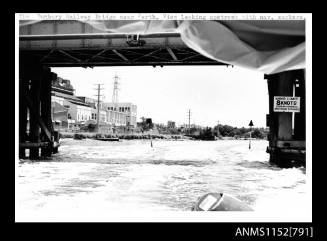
<point>82,109</point>
<point>63,97</point>
<point>123,112</point>
<point>78,112</point>
<point>171,124</point>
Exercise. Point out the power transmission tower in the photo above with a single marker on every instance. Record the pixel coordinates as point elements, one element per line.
<point>115,91</point>
<point>98,106</point>
<point>115,95</point>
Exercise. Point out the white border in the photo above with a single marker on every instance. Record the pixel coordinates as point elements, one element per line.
<point>308,80</point>
<point>161,16</point>
<point>16,108</point>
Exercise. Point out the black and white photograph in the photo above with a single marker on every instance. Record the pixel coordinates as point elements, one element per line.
<point>163,117</point>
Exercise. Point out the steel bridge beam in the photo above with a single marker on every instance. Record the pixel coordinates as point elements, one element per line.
<point>148,63</point>
<point>39,37</point>
<point>170,51</point>
<point>120,55</point>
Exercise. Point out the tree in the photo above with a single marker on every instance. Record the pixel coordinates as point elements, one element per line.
<point>206,134</point>
<point>256,133</point>
<point>146,124</point>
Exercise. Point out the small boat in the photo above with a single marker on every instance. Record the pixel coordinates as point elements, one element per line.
<point>107,139</point>
<point>220,202</point>
<point>79,137</point>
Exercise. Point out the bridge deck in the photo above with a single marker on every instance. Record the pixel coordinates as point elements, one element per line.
<point>76,44</point>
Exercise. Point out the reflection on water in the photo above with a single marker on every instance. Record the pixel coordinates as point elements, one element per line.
<point>172,175</point>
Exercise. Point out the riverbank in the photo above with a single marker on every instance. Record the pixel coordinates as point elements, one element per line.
<point>136,136</point>
<point>140,136</point>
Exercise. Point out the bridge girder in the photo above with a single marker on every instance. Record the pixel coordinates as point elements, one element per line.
<point>116,56</point>
<point>76,44</point>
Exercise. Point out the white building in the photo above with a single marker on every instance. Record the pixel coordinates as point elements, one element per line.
<point>82,109</point>
<point>57,99</point>
<point>116,118</point>
<point>122,113</point>
<point>78,112</point>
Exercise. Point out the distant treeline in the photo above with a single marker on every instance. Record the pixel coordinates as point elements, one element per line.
<point>230,131</point>
<point>211,133</point>
<point>85,135</point>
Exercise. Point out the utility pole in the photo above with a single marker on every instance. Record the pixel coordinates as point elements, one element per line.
<point>189,121</point>
<point>218,130</point>
<point>98,106</point>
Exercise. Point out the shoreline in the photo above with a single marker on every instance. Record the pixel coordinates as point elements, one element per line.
<point>88,135</point>
<point>138,136</point>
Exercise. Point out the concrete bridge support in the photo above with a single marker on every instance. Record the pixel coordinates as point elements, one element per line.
<point>287,130</point>
<point>35,122</point>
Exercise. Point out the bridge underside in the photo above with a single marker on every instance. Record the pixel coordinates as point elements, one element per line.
<point>116,56</point>
<point>77,44</point>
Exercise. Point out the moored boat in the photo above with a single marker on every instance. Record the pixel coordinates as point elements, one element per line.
<point>107,139</point>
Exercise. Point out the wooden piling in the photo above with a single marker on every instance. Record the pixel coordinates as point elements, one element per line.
<point>35,83</point>
<point>23,87</point>
<point>285,88</point>
<point>299,122</point>
<point>284,147</point>
<point>46,110</point>
<point>35,111</point>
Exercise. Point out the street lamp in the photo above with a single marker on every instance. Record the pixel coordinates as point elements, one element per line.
<point>250,124</point>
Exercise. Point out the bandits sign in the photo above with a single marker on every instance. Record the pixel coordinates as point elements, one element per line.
<point>286,104</point>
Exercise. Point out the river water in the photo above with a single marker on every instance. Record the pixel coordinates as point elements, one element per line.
<point>93,176</point>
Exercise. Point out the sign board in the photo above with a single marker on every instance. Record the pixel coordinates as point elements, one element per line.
<point>286,104</point>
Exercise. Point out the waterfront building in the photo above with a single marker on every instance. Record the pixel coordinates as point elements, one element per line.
<point>171,124</point>
<point>90,101</point>
<point>63,98</point>
<point>61,90</point>
<point>63,86</point>
<point>57,99</point>
<point>116,118</point>
<point>59,116</point>
<point>81,110</point>
<point>77,111</point>
<point>124,113</point>
<point>103,116</point>
<point>94,113</point>
<point>186,126</point>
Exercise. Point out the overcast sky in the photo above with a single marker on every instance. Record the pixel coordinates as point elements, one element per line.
<point>232,96</point>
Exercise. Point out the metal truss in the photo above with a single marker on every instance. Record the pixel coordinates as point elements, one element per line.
<point>159,51</point>
<point>118,56</point>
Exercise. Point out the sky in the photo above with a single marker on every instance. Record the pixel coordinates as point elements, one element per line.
<point>230,95</point>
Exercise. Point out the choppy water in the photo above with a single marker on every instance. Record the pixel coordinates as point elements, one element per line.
<point>130,175</point>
